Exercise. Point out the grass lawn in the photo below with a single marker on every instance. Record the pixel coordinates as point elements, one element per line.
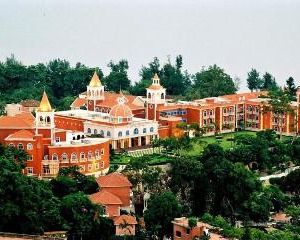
<point>201,142</point>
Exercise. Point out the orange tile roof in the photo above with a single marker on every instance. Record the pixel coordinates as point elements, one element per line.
<point>110,100</point>
<point>19,135</point>
<point>78,102</point>
<point>113,180</point>
<point>125,219</point>
<point>281,217</point>
<point>105,198</point>
<point>19,121</point>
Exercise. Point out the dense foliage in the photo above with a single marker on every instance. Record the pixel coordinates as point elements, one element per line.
<point>32,206</point>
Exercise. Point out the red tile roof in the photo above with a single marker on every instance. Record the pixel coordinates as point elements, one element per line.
<point>78,102</point>
<point>24,120</point>
<point>105,198</point>
<point>110,100</point>
<point>113,180</point>
<point>281,217</point>
<point>19,135</point>
<point>125,219</point>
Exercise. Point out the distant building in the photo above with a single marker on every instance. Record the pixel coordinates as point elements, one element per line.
<point>115,195</point>
<point>182,231</point>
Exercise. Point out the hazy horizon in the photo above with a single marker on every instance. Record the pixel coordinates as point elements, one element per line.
<point>235,35</point>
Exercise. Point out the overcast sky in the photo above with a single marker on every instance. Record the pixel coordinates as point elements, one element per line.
<point>236,35</point>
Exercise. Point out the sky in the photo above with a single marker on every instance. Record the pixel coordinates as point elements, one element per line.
<point>237,35</point>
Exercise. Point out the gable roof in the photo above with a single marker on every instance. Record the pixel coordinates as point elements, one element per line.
<point>110,100</point>
<point>78,102</point>
<point>24,120</point>
<point>125,219</point>
<point>113,180</point>
<point>20,135</point>
<point>105,198</point>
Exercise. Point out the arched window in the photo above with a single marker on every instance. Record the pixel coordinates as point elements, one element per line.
<point>29,146</point>
<point>82,156</point>
<point>11,145</point>
<point>108,133</point>
<point>211,112</point>
<point>120,134</point>
<point>144,130</point>
<point>127,132</point>
<point>89,130</point>
<point>204,113</point>
<point>41,119</point>
<point>95,131</point>
<point>162,96</point>
<point>20,146</point>
<point>48,119</point>
<point>151,129</point>
<point>54,157</point>
<point>149,95</point>
<point>64,157</point>
<point>136,131</point>
<point>90,155</point>
<point>102,133</point>
<point>73,157</point>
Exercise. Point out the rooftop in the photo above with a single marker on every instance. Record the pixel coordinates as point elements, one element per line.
<point>105,198</point>
<point>113,180</point>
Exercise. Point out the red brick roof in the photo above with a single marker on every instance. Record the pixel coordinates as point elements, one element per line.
<point>113,180</point>
<point>110,100</point>
<point>19,135</point>
<point>78,102</point>
<point>23,120</point>
<point>125,219</point>
<point>105,198</point>
<point>120,110</point>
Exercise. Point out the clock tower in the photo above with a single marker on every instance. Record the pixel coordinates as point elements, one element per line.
<point>156,96</point>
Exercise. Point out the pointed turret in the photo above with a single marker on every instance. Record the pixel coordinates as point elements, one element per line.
<point>95,81</point>
<point>45,105</point>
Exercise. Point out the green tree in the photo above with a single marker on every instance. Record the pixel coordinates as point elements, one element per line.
<point>291,88</point>
<point>162,209</point>
<point>117,79</point>
<point>211,82</point>
<point>269,82</point>
<point>253,80</point>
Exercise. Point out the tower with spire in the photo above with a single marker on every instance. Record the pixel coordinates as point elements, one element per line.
<point>156,96</point>
<point>44,122</point>
<point>95,92</point>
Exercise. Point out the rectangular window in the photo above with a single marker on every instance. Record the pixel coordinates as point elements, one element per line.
<point>102,151</point>
<point>97,166</point>
<point>90,167</point>
<point>29,170</point>
<point>178,234</point>
<point>57,139</point>
<point>29,158</point>
<point>81,168</point>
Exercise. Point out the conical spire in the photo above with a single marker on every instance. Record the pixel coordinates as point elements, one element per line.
<point>45,104</point>
<point>95,81</point>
